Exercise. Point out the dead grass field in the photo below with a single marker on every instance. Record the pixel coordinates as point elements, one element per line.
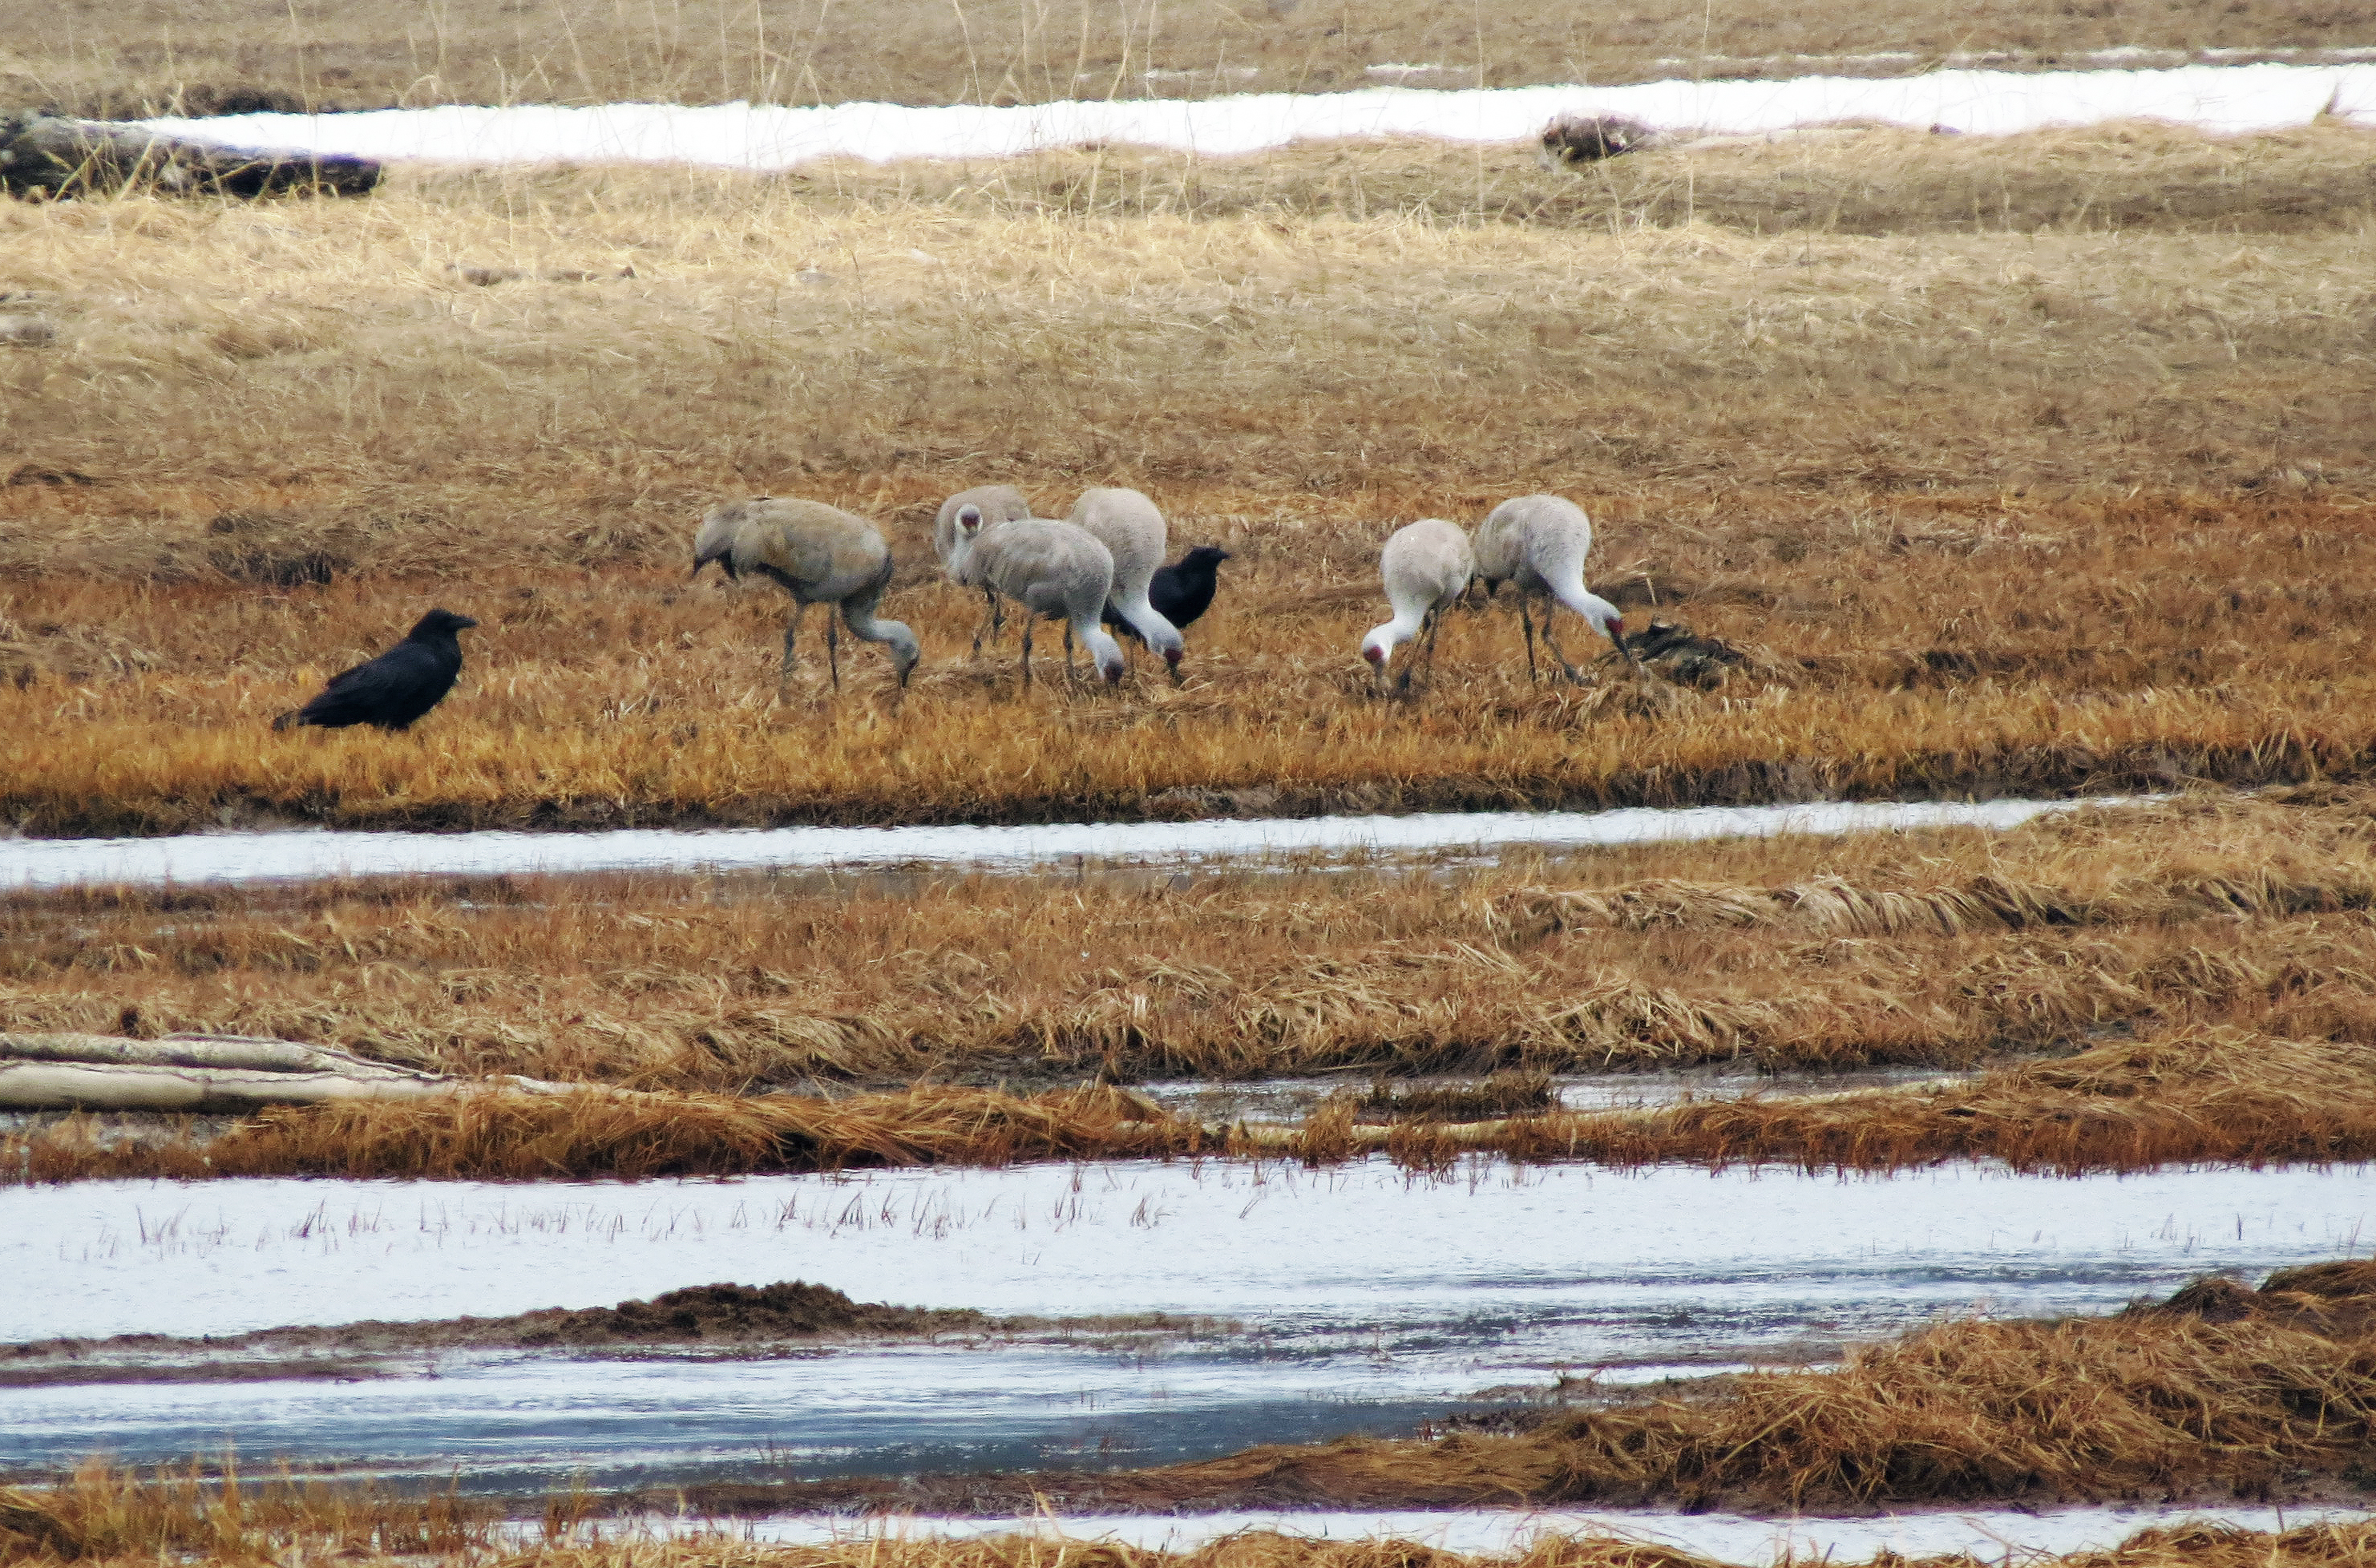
<point>1873,950</point>
<point>191,56</point>
<point>109,1517</point>
<point>2153,985</point>
<point>2010,511</point>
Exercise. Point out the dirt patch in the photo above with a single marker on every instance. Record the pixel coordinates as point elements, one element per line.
<point>742,1316</point>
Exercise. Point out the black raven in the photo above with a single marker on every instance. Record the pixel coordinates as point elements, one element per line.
<point>1180,592</point>
<point>396,688</point>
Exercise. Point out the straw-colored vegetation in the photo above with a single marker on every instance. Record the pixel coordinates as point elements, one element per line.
<point>1869,950</point>
<point>2146,985</point>
<point>111,1517</point>
<point>200,58</point>
<point>1994,510</point>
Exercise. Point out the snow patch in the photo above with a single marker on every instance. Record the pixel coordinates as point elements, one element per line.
<point>2227,98</point>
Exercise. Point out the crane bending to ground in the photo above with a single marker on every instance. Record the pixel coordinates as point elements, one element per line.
<point>819,554</point>
<point>1538,542</point>
<point>1426,567</point>
<point>1049,568</point>
<point>990,505</point>
<point>1132,529</point>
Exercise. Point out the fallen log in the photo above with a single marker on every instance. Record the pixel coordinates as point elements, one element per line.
<point>252,1053</point>
<point>48,155</point>
<point>214,1073</point>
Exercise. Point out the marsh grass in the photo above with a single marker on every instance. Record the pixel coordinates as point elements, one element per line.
<point>2203,914</point>
<point>184,56</point>
<point>2040,511</point>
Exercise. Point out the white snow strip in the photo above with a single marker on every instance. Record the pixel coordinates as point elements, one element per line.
<point>2229,99</point>
<point>257,857</point>
<point>1269,1244</point>
<point>1991,1535</point>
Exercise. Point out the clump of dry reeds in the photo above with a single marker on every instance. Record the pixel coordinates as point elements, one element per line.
<point>214,1514</point>
<point>499,1136</point>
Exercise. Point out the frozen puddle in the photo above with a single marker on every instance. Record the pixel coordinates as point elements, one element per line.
<point>2216,98</point>
<point>1366,1301</point>
<point>262,857</point>
<point>1991,1535</point>
<point>1290,1101</point>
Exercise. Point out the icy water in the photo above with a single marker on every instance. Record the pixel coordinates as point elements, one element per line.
<point>295,855</point>
<point>1291,1099</point>
<point>1364,1301</point>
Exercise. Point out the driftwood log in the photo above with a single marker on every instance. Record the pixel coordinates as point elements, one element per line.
<point>43,154</point>
<point>211,1074</point>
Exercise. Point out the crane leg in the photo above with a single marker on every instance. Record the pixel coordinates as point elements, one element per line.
<point>1026,653</point>
<point>791,631</point>
<point>1070,673</point>
<point>1434,624</point>
<point>1526,620</point>
<point>993,616</point>
<point>833,649</point>
<point>1572,672</point>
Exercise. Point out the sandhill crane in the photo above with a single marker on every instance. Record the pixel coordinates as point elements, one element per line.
<point>992,505</point>
<point>1426,566</point>
<point>1539,542</point>
<point>1049,568</point>
<point>1130,526</point>
<point>819,554</point>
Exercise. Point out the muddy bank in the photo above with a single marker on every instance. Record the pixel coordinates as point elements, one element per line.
<point>742,1319</point>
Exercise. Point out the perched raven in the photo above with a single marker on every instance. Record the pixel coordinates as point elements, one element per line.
<point>396,688</point>
<point>1180,592</point>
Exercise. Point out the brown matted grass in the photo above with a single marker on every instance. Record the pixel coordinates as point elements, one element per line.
<point>1942,949</point>
<point>108,1517</point>
<point>2230,1097</point>
<point>190,57</point>
<point>2035,511</point>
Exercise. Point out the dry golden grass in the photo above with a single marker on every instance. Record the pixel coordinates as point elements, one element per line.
<point>187,54</point>
<point>2230,1096</point>
<point>105,1513</point>
<point>2036,511</point>
<point>2209,913</point>
<point>111,1517</point>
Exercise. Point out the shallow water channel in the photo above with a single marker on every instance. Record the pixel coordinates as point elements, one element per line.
<point>1357,1298</point>
<point>299,854</point>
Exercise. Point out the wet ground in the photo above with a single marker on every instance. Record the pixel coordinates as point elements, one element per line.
<point>1365,1300</point>
<point>299,854</point>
